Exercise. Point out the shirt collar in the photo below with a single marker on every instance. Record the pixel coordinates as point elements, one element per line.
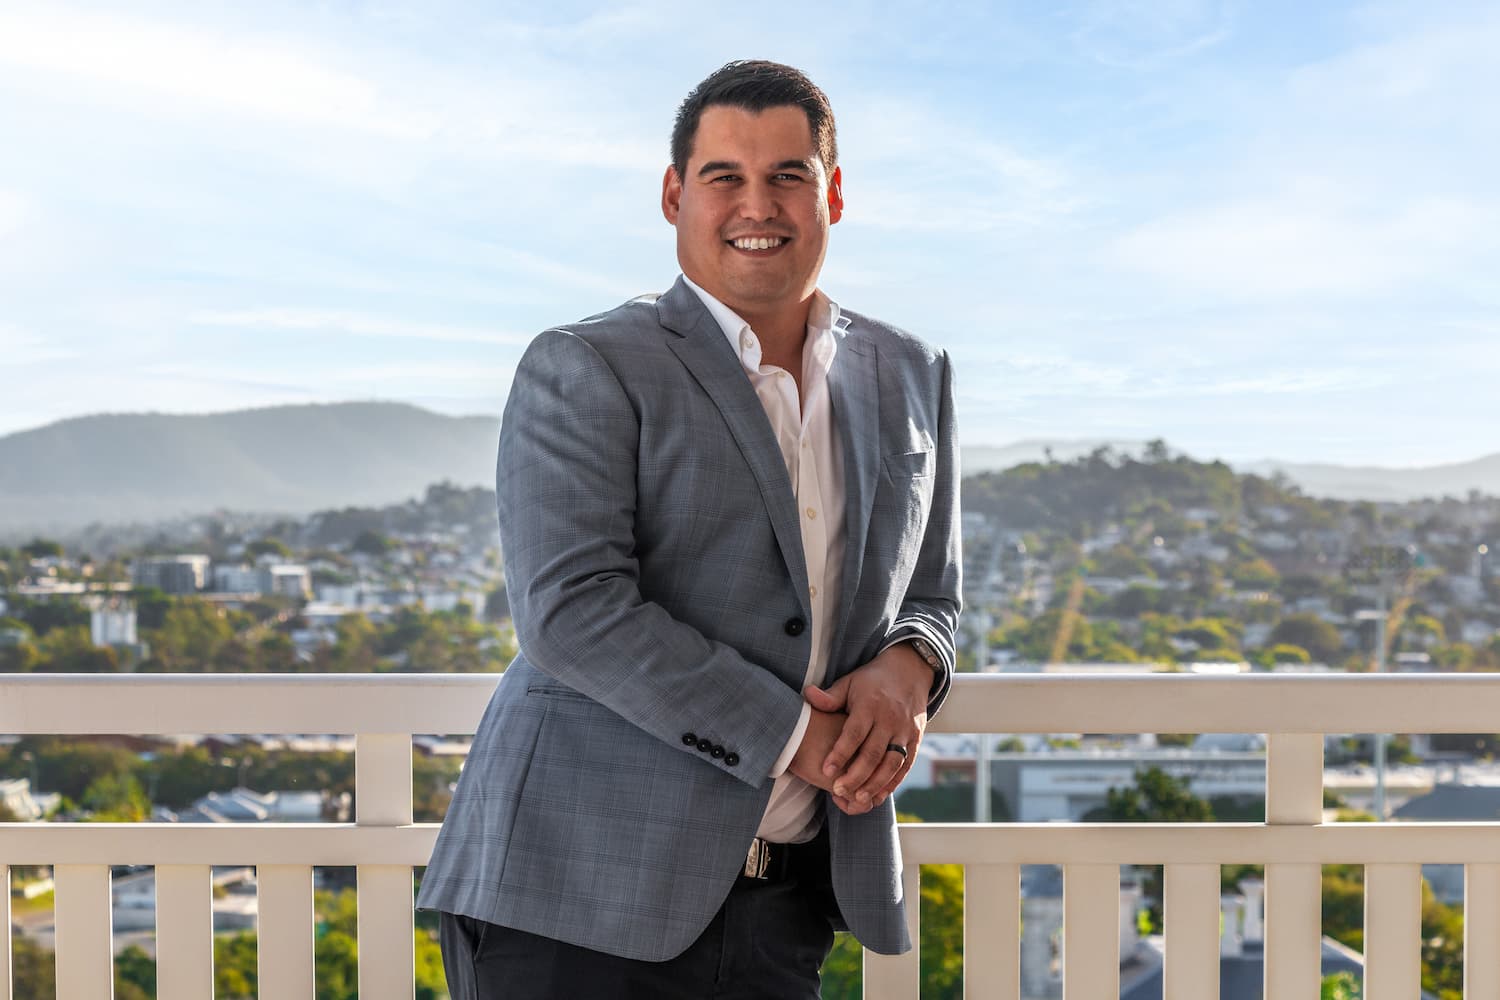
<point>822,319</point>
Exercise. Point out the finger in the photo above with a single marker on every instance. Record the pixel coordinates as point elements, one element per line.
<point>883,778</point>
<point>849,807</point>
<point>911,758</point>
<point>823,701</point>
<point>864,763</point>
<point>851,738</point>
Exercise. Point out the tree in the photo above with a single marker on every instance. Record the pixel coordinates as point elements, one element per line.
<point>1156,797</point>
<point>33,971</point>
<point>1321,639</point>
<point>116,799</point>
<point>42,548</point>
<point>268,547</point>
<point>1341,986</point>
<point>72,650</point>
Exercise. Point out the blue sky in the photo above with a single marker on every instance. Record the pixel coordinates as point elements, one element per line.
<point>1255,229</point>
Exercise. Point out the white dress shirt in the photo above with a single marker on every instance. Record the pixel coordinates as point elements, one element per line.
<point>805,431</point>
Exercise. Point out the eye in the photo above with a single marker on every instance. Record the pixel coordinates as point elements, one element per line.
<point>721,178</point>
<point>787,177</point>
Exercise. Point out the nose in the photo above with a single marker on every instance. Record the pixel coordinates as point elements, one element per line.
<point>758,201</point>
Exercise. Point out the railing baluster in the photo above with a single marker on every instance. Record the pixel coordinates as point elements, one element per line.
<point>1191,911</point>
<point>899,977</point>
<point>1091,931</point>
<point>184,932</point>
<point>285,927</point>
<point>382,796</point>
<point>1393,932</point>
<point>85,953</point>
<point>992,932</point>
<point>1294,891</point>
<point>5,935</point>
<point>1481,930</point>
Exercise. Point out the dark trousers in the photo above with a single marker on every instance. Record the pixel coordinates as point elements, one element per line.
<point>767,942</point>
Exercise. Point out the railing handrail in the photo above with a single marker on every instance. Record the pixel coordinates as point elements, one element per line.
<point>160,704</point>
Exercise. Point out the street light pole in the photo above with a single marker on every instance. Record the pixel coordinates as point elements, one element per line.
<point>1380,618</point>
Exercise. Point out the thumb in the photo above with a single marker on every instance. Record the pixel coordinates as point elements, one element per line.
<point>831,700</point>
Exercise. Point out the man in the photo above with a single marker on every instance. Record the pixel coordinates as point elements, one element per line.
<point>729,518</point>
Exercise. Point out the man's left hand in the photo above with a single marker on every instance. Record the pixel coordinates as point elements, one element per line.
<point>886,701</point>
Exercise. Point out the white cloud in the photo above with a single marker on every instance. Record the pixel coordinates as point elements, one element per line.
<point>915,170</point>
<point>23,347</point>
<point>361,324</point>
<point>1143,35</point>
<point>193,68</point>
<point>15,212</point>
<point>1305,244</point>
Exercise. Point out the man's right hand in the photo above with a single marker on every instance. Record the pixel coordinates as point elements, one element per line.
<point>823,729</point>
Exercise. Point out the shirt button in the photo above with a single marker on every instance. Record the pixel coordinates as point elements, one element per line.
<point>811,514</point>
<point>747,341</point>
<point>812,591</point>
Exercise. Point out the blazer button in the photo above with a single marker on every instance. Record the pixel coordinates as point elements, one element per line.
<point>731,758</point>
<point>705,745</point>
<point>689,739</point>
<point>717,752</point>
<point>795,625</point>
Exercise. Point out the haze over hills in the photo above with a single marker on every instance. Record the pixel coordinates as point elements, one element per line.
<point>124,468</point>
<point>120,468</point>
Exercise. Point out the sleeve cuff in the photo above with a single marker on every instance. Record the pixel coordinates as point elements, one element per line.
<point>790,750</point>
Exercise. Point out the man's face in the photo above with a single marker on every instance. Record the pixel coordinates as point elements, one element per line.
<point>753,211</point>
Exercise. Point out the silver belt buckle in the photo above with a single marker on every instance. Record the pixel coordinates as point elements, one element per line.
<point>757,859</point>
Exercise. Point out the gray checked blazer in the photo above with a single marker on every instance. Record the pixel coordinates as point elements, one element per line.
<point>656,578</point>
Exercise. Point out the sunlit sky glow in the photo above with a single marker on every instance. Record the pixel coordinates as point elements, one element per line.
<point>1256,229</point>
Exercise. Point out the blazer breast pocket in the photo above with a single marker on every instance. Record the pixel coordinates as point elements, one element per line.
<point>911,465</point>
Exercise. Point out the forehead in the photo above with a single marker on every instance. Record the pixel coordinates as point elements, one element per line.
<point>774,135</point>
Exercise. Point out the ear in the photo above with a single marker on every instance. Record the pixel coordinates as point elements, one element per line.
<point>836,195</point>
<point>671,194</point>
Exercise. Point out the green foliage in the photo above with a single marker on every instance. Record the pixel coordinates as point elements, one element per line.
<point>1156,797</point>
<point>268,547</point>
<point>192,635</point>
<point>44,616</point>
<point>950,803</point>
<point>42,548</point>
<point>235,971</point>
<point>114,798</point>
<point>372,543</point>
<point>940,947</point>
<point>1341,986</point>
<point>71,649</point>
<point>1320,639</point>
<point>138,969</point>
<point>1088,641</point>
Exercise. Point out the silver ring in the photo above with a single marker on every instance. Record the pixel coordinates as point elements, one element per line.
<point>897,748</point>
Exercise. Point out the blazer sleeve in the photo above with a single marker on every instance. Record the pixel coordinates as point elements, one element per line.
<point>566,488</point>
<point>933,596</point>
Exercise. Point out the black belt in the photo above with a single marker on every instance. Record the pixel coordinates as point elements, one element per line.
<point>770,862</point>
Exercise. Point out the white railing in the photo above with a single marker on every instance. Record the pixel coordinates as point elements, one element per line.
<point>383,711</point>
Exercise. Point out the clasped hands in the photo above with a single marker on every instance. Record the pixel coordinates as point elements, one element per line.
<point>846,748</point>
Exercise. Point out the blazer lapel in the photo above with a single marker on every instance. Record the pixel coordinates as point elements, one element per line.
<point>703,349</point>
<point>855,393</point>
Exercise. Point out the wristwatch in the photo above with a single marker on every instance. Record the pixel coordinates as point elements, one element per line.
<point>926,652</point>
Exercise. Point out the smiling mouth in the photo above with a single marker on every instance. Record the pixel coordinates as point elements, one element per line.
<point>759,243</point>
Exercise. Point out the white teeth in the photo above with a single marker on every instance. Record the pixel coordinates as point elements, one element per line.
<point>759,242</point>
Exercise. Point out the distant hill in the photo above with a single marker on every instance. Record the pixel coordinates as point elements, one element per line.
<point>120,468</point>
<point>151,467</point>
<point>1348,482</point>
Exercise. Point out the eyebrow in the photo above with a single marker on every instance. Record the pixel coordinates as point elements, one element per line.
<point>715,166</point>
